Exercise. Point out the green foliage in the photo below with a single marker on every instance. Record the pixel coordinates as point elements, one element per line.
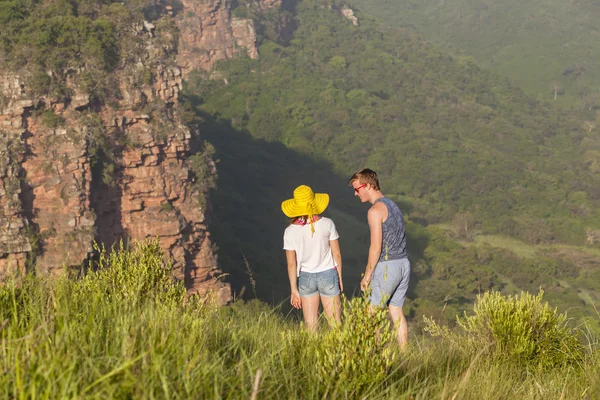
<point>166,206</point>
<point>50,119</point>
<point>452,143</point>
<point>338,62</point>
<point>450,137</point>
<point>58,43</point>
<point>520,329</point>
<point>168,33</point>
<point>11,11</point>
<point>361,351</point>
<point>203,167</point>
<point>81,41</point>
<point>134,276</point>
<point>543,45</point>
<point>100,147</point>
<point>110,335</point>
<point>147,77</point>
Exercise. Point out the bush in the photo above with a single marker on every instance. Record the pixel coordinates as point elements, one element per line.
<point>361,351</point>
<point>136,275</point>
<point>203,168</point>
<point>50,119</point>
<point>520,329</point>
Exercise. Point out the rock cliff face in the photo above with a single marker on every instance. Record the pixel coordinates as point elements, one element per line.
<point>209,33</point>
<point>14,244</point>
<point>74,171</point>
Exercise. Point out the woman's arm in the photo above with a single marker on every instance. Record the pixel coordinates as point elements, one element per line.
<point>290,255</point>
<point>337,257</point>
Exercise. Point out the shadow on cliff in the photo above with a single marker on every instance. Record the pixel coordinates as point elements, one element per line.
<point>247,223</point>
<point>105,199</point>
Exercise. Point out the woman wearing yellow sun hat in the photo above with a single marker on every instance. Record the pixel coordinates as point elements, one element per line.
<point>313,256</point>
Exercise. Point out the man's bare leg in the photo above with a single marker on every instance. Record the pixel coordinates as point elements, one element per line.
<point>401,326</point>
<point>310,310</point>
<point>333,309</point>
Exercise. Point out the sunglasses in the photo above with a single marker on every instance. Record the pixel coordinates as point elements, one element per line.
<point>356,189</point>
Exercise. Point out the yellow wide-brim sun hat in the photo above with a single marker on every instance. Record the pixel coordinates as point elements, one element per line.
<point>305,202</point>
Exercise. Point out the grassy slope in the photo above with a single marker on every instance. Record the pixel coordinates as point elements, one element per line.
<point>118,334</point>
<point>532,42</point>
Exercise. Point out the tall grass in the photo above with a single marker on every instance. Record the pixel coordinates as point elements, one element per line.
<point>128,331</point>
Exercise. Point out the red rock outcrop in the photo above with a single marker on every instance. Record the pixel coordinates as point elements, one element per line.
<point>209,33</point>
<point>58,195</point>
<point>55,193</point>
<point>14,244</point>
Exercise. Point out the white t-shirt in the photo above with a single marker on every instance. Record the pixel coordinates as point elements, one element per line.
<point>313,253</point>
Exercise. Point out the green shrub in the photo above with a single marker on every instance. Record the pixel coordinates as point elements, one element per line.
<point>50,119</point>
<point>203,169</point>
<point>136,275</point>
<point>520,329</point>
<point>361,351</point>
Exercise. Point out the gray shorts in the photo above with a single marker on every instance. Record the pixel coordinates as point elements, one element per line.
<point>326,283</point>
<point>390,283</point>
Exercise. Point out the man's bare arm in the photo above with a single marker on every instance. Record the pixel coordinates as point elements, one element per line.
<point>375,218</point>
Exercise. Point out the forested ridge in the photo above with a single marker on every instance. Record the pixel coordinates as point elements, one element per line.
<point>445,135</point>
<point>455,145</point>
<point>549,47</point>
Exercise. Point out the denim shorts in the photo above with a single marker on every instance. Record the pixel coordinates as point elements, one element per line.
<point>390,283</point>
<point>326,283</point>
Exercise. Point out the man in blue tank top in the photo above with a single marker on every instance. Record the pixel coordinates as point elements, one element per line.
<point>388,268</point>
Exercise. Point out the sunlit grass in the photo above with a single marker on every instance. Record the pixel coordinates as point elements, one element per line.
<point>525,250</point>
<point>129,332</point>
<point>521,248</point>
<point>518,247</point>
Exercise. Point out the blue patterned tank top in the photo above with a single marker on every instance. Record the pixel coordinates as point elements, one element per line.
<point>393,246</point>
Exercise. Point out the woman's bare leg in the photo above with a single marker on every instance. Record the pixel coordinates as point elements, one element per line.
<point>332,308</point>
<point>310,310</point>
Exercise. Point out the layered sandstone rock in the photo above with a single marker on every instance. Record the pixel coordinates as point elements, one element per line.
<point>14,243</point>
<point>55,192</point>
<point>245,35</point>
<point>208,33</point>
<point>58,195</point>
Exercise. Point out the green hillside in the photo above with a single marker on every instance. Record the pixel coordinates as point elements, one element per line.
<point>537,43</point>
<point>446,136</point>
<point>453,143</point>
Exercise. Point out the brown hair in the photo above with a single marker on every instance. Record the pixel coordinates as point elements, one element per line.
<point>367,176</point>
<point>303,218</point>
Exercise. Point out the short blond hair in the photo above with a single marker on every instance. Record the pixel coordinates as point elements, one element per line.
<point>366,176</point>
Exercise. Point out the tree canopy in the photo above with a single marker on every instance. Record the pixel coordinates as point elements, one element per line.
<point>548,46</point>
<point>453,143</point>
<point>445,135</point>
